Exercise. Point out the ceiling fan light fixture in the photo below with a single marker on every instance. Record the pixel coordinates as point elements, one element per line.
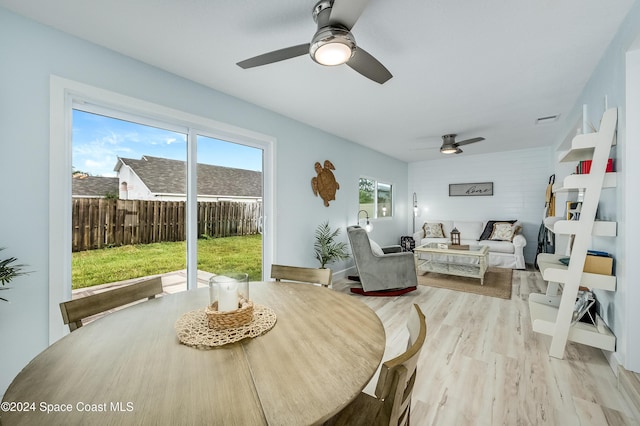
<point>448,149</point>
<point>332,46</point>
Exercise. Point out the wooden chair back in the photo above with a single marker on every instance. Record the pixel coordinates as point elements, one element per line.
<point>74,311</point>
<point>305,275</point>
<point>398,375</point>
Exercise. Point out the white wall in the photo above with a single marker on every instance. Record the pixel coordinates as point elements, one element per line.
<point>31,52</point>
<point>619,66</point>
<point>519,183</point>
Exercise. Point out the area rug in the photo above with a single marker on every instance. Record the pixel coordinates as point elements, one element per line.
<point>497,282</point>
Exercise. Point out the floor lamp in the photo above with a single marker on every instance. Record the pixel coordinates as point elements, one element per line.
<point>415,211</point>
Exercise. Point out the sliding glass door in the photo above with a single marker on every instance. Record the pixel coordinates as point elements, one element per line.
<point>154,199</point>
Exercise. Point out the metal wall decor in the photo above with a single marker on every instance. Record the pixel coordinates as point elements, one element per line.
<point>470,189</point>
<point>325,183</point>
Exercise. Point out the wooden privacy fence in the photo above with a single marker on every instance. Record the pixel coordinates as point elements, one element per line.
<point>100,222</point>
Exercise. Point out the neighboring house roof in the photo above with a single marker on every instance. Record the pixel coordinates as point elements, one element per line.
<point>164,176</point>
<point>94,186</point>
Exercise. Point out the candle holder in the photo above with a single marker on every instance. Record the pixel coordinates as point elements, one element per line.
<point>229,303</point>
<point>455,237</point>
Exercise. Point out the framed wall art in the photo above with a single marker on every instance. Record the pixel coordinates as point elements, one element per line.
<point>470,189</point>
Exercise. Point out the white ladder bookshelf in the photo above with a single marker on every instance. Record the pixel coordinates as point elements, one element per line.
<point>551,314</point>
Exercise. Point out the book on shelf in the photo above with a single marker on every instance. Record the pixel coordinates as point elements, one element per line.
<point>584,166</point>
<point>598,253</point>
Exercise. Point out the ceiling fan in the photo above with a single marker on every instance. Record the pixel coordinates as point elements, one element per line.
<point>333,43</point>
<point>450,146</point>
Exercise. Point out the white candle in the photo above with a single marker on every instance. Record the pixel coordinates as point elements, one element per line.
<point>228,296</point>
<point>585,127</point>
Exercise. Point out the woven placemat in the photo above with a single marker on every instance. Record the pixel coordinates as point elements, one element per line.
<point>193,330</point>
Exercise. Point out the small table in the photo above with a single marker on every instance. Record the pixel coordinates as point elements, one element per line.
<point>434,257</point>
<point>129,367</point>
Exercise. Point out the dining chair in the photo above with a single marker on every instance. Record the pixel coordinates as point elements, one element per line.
<point>74,311</point>
<point>300,274</point>
<point>392,403</point>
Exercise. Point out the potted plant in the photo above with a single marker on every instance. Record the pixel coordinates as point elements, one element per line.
<point>328,250</point>
<point>8,271</point>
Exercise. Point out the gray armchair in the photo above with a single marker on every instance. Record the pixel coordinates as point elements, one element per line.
<point>383,271</point>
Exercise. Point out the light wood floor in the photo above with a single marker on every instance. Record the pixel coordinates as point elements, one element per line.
<point>483,365</point>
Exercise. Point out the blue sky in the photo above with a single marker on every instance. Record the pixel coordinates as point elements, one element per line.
<point>98,141</point>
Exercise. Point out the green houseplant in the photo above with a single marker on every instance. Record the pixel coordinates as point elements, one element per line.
<point>8,271</point>
<point>327,250</point>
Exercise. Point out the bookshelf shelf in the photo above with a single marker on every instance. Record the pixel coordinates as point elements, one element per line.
<point>577,182</point>
<point>554,271</point>
<point>583,146</point>
<point>544,317</point>
<point>572,227</point>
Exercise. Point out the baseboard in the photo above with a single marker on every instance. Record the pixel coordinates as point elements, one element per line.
<point>614,363</point>
<point>629,386</point>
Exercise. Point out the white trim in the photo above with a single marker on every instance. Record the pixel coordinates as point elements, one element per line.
<point>59,206</point>
<point>63,94</point>
<point>192,210</point>
<point>630,348</point>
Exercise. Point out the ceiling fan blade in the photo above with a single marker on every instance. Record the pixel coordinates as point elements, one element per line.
<point>468,141</point>
<point>369,66</point>
<point>347,12</point>
<point>275,56</point>
<point>458,151</point>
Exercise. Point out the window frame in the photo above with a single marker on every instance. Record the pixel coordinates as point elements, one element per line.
<point>67,94</point>
<point>378,182</point>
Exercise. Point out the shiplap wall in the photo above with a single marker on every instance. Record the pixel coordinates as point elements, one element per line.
<point>519,179</point>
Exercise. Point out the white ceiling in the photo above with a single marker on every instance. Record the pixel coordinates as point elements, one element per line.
<point>472,67</point>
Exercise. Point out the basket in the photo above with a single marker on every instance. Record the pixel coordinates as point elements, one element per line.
<point>230,319</point>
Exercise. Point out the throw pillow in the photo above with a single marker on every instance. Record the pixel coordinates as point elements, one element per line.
<point>488,229</point>
<point>503,232</point>
<point>375,248</point>
<point>433,230</point>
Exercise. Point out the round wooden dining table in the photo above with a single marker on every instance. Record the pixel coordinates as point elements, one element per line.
<point>130,368</point>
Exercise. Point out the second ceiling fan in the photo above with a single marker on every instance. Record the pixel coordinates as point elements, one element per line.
<point>333,42</point>
<point>450,146</point>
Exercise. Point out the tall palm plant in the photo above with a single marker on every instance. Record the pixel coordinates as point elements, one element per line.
<point>328,250</point>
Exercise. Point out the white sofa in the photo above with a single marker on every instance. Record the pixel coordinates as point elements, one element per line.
<point>503,254</point>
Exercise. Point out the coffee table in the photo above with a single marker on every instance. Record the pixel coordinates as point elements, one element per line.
<point>436,257</point>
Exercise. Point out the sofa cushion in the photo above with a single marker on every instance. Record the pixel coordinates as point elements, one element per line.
<point>434,240</point>
<point>498,246</point>
<point>488,229</point>
<point>433,230</point>
<point>447,226</point>
<point>469,230</point>
<point>503,232</point>
<point>448,241</point>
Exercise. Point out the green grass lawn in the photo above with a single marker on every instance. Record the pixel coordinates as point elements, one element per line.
<point>94,267</point>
